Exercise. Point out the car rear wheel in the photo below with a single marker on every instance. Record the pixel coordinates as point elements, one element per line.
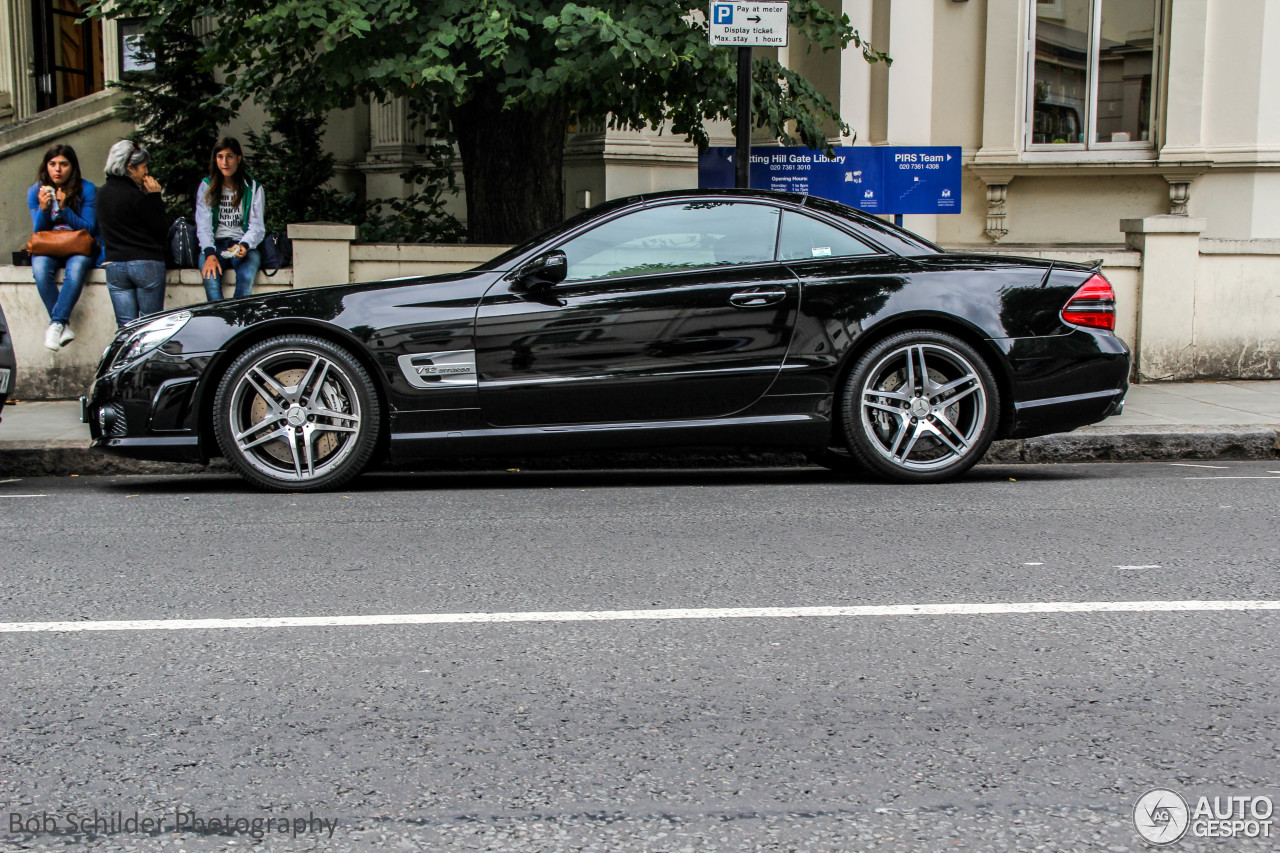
<point>919,407</point>
<point>296,413</point>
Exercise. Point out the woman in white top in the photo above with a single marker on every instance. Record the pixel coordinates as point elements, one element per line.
<point>230,220</point>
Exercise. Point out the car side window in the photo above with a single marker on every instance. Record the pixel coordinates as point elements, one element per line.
<point>674,237</point>
<point>804,237</point>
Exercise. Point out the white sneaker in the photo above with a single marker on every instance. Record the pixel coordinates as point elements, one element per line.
<point>53,336</point>
<point>67,336</point>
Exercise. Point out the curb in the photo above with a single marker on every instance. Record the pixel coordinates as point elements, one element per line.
<point>1141,444</point>
<point>1090,444</point>
<point>77,458</point>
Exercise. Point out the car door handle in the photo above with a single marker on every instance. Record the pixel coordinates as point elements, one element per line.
<point>756,298</point>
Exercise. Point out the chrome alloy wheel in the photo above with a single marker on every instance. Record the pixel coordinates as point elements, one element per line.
<point>294,415</point>
<point>924,407</point>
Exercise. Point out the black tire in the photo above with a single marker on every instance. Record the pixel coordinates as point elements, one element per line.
<point>933,431</point>
<point>296,414</point>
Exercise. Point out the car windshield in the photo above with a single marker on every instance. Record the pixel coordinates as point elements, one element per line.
<point>501,261</point>
<point>895,239</point>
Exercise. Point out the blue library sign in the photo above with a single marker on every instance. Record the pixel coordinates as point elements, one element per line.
<point>877,179</point>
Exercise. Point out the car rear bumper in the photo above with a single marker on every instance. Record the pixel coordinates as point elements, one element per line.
<point>1062,382</point>
<point>1062,414</point>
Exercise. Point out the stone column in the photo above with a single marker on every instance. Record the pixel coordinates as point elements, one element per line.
<point>910,112</point>
<point>1004,102</point>
<point>1185,96</point>
<point>16,58</point>
<point>855,75</point>
<point>321,253</point>
<point>110,50</point>
<point>392,135</point>
<point>1165,339</point>
<point>394,143</point>
<point>8,81</point>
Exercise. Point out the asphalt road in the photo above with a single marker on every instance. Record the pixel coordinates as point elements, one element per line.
<point>562,724</point>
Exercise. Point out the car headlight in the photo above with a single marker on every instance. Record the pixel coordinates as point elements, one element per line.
<point>147,337</point>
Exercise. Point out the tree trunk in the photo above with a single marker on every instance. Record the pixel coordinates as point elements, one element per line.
<point>511,166</point>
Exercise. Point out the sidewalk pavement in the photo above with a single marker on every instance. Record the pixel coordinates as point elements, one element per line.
<point>1184,420</point>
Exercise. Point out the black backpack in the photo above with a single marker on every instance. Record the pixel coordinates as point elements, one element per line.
<point>277,252</point>
<point>184,248</point>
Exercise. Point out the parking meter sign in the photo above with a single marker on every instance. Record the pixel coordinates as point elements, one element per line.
<point>748,24</point>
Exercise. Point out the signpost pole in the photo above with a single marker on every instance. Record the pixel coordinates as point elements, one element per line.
<point>742,170</point>
<point>743,24</point>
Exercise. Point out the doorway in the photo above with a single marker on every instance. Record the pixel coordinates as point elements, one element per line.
<point>68,53</point>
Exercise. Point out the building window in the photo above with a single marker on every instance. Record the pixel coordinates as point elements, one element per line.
<point>1092,74</point>
<point>67,51</point>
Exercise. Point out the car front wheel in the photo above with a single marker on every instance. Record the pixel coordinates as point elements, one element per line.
<point>296,413</point>
<point>920,407</point>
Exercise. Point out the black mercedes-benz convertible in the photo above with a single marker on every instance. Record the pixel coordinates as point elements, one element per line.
<point>727,318</point>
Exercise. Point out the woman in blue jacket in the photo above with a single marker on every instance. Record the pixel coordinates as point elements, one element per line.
<point>61,200</point>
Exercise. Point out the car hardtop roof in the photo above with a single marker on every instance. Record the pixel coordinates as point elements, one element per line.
<point>722,192</point>
<point>812,202</point>
<point>792,200</point>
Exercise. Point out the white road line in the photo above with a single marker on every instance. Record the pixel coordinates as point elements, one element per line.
<point>1134,568</point>
<point>1192,465</point>
<point>24,496</point>
<point>978,609</point>
<point>2,482</point>
<point>1231,478</point>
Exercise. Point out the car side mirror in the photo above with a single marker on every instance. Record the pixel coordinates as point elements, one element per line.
<point>543,271</point>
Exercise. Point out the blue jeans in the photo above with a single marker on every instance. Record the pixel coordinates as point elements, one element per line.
<point>246,271</point>
<point>60,302</point>
<point>136,288</point>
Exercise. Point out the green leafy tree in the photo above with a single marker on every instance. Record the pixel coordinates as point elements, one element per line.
<point>177,108</point>
<point>504,75</point>
<point>290,163</point>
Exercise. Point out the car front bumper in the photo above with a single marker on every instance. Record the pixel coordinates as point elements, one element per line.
<point>148,410</point>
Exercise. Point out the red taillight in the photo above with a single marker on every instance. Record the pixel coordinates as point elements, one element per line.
<point>1093,305</point>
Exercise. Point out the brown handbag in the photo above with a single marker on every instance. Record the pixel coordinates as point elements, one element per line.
<point>60,244</point>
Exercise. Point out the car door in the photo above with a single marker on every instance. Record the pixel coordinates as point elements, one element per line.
<point>671,311</point>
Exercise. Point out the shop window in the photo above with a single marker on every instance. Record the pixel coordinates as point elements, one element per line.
<point>67,51</point>
<point>1092,71</point>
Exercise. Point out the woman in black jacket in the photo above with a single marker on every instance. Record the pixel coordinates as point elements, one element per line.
<point>134,230</point>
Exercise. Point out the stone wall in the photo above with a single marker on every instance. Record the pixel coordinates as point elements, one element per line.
<point>323,255</point>
<point>1190,308</point>
<point>1207,308</point>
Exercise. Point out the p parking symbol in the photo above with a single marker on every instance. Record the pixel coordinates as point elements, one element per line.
<point>722,13</point>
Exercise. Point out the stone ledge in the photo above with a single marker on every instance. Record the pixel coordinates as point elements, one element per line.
<point>43,127</point>
<point>1215,246</point>
<point>473,253</point>
<point>1164,224</point>
<point>321,231</point>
